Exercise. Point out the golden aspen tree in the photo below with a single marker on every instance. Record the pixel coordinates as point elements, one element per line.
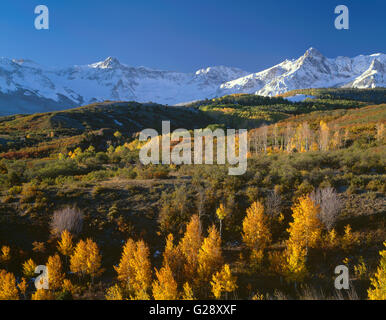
<point>188,292</point>
<point>331,238</point>
<point>306,136</point>
<point>288,138</point>
<point>221,214</point>
<point>78,261</point>
<point>23,285</point>
<point>336,140</point>
<point>5,254</point>
<point>275,135</point>
<point>306,227</point>
<point>295,261</point>
<point>86,259</point>
<point>134,269</point>
<point>223,281</point>
<point>348,240</point>
<point>299,138</point>
<point>324,136</point>
<point>210,255</point>
<point>190,245</point>
<point>165,287</point>
<point>42,294</point>
<point>216,286</point>
<point>142,268</point>
<point>378,282</point>
<point>65,245</point>
<point>305,232</point>
<point>124,269</point>
<point>29,268</point>
<point>8,288</point>
<point>256,234</point>
<point>292,144</point>
<point>55,274</point>
<point>94,260</point>
<point>174,258</point>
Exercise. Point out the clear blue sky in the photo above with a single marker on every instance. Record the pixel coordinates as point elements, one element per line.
<point>185,35</point>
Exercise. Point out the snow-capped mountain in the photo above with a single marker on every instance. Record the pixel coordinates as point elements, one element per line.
<point>27,87</point>
<point>313,70</point>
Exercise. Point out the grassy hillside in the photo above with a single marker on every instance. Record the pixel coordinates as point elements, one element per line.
<point>42,132</point>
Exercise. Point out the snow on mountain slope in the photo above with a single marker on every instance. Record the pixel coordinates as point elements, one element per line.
<point>23,80</point>
<point>374,76</point>
<point>27,87</point>
<point>312,70</point>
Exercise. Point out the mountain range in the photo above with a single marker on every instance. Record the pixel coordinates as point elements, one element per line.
<point>27,87</point>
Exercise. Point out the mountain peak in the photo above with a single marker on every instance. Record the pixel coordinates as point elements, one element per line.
<point>312,52</point>
<point>108,63</point>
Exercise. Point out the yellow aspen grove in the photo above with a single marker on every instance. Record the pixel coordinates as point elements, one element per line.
<point>174,258</point>
<point>42,294</point>
<point>124,269</point>
<point>256,234</point>
<point>223,281</point>
<point>165,287</point>
<point>65,245</point>
<point>190,245</point>
<point>86,259</point>
<point>55,275</point>
<point>210,255</point>
<point>378,282</point>
<point>188,292</point>
<point>29,268</point>
<point>8,288</point>
<point>306,228</point>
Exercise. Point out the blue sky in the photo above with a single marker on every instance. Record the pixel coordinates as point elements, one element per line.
<point>185,35</point>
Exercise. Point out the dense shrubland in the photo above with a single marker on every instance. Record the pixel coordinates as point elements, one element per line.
<point>108,227</point>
